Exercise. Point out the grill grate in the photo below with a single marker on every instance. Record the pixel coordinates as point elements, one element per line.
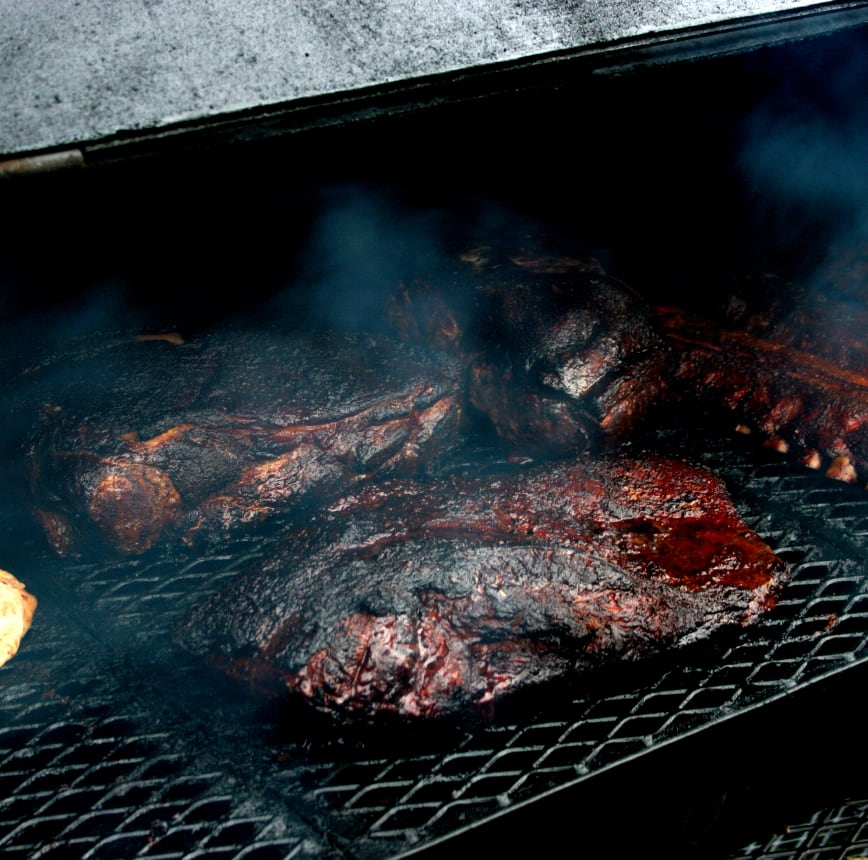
<point>84,773</point>
<point>113,743</point>
<point>829,834</point>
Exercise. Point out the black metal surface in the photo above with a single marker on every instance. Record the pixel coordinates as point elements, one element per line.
<point>115,743</point>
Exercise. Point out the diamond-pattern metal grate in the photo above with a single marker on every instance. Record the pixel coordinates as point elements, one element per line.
<point>833,833</point>
<point>114,743</point>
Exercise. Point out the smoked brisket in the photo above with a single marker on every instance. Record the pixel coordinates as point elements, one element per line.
<point>562,357</point>
<point>148,441</point>
<point>424,599</point>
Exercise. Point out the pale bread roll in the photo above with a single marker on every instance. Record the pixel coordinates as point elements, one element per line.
<point>16,612</point>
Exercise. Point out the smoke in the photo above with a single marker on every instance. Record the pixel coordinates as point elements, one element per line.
<point>364,241</point>
<point>805,161</point>
<point>804,155</point>
<point>367,239</point>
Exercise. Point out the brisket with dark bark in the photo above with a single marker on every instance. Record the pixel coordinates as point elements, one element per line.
<point>160,440</point>
<point>428,599</point>
<point>562,356</point>
<point>143,441</point>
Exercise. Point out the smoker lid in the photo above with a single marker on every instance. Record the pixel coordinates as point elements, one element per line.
<point>96,73</point>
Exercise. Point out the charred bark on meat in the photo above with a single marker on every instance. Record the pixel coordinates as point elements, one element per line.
<point>148,441</point>
<point>151,441</point>
<point>445,597</point>
<point>561,356</point>
<point>799,401</point>
<point>564,358</point>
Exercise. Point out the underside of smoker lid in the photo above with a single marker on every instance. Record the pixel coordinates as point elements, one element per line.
<point>104,81</point>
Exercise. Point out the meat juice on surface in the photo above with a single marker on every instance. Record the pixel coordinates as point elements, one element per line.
<point>427,600</point>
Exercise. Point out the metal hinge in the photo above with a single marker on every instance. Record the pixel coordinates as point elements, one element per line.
<point>48,162</point>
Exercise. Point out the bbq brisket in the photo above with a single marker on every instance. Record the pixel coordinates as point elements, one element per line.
<point>428,599</point>
<point>155,440</point>
<point>143,441</point>
<point>562,356</point>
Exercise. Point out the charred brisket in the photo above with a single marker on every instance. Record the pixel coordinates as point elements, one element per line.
<point>144,441</point>
<point>151,441</point>
<point>562,356</point>
<point>428,599</point>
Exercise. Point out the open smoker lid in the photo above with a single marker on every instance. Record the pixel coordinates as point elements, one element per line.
<point>99,80</point>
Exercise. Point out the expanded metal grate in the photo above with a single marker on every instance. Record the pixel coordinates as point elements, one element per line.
<point>831,833</point>
<point>116,743</point>
<point>93,764</point>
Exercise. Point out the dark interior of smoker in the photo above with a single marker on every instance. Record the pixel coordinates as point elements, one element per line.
<point>681,177</point>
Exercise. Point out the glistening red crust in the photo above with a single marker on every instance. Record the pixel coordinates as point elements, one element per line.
<point>424,600</point>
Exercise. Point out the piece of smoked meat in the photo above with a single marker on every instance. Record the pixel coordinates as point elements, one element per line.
<point>145,441</point>
<point>430,599</point>
<point>787,390</point>
<point>562,356</point>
